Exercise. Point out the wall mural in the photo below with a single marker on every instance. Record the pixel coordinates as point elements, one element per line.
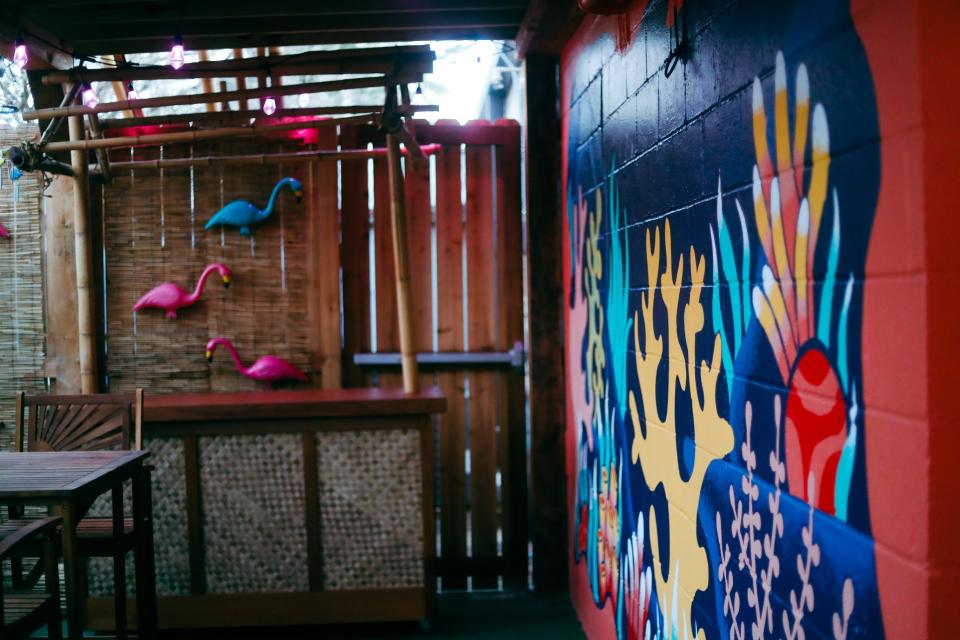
<point>714,356</point>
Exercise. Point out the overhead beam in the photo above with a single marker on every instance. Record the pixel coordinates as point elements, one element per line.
<point>547,25</point>
<point>195,136</point>
<point>414,59</point>
<point>374,33</point>
<point>224,118</point>
<point>228,24</point>
<point>165,10</point>
<point>203,98</point>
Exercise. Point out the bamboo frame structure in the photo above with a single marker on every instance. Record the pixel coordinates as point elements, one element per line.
<point>194,136</point>
<point>224,118</point>
<point>401,260</point>
<point>264,158</point>
<point>203,98</point>
<point>410,59</point>
<point>103,156</point>
<point>85,330</point>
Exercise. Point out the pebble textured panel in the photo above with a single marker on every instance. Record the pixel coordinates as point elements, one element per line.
<point>253,513</point>
<point>370,519</point>
<point>169,525</point>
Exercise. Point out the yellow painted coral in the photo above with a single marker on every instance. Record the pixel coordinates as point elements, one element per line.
<point>655,445</point>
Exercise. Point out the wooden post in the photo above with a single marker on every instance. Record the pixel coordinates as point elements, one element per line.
<point>401,261</point>
<point>548,495</point>
<point>85,331</point>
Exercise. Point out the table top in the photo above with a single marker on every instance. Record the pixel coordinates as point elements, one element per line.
<point>57,475</point>
<point>312,403</point>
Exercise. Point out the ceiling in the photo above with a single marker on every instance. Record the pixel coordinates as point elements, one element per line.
<point>100,27</point>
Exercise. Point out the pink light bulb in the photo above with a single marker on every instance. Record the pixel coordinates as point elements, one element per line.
<point>20,55</point>
<point>269,106</point>
<point>89,97</point>
<point>132,93</point>
<point>303,99</point>
<point>176,53</point>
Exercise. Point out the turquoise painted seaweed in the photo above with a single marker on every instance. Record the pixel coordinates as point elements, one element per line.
<point>619,319</point>
<point>738,286</point>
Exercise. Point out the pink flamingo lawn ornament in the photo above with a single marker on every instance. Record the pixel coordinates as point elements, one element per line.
<point>170,296</point>
<point>3,231</point>
<point>268,369</point>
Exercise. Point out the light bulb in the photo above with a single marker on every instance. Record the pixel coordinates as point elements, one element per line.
<point>303,99</point>
<point>176,52</point>
<point>131,92</point>
<point>89,97</point>
<point>20,55</point>
<point>269,106</point>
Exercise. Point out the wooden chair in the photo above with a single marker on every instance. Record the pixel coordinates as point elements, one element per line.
<point>92,422</point>
<point>23,613</point>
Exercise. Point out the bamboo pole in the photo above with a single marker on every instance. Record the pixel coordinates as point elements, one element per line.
<point>264,158</point>
<point>223,118</point>
<point>207,82</point>
<point>401,261</point>
<point>202,98</point>
<point>103,156</point>
<point>194,136</point>
<point>414,58</point>
<point>86,351</point>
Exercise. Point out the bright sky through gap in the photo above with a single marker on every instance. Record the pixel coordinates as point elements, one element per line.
<point>459,81</point>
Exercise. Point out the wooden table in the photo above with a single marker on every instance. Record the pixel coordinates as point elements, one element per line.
<point>70,482</point>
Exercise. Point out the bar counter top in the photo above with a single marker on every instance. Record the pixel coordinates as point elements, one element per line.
<point>314,403</point>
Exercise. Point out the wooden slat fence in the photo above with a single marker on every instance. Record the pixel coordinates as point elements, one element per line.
<point>291,277</point>
<point>465,234</point>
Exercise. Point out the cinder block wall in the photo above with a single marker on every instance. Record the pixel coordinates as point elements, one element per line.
<point>760,331</point>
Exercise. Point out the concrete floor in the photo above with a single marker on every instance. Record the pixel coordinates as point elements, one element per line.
<point>475,616</point>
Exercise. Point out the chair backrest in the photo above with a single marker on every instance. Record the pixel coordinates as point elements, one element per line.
<point>92,422</point>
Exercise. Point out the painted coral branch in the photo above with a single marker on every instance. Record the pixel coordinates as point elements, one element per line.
<point>655,443</point>
<point>802,601</point>
<point>746,525</point>
<point>841,626</point>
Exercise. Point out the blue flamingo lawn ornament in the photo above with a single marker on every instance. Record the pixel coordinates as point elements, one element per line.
<point>241,213</point>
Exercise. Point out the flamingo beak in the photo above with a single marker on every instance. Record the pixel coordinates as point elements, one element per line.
<point>298,194</point>
<point>209,356</point>
<point>226,282</point>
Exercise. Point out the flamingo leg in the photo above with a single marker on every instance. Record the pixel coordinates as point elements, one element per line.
<point>171,315</point>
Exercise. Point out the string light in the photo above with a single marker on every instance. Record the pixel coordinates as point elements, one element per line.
<point>20,55</point>
<point>176,52</point>
<point>303,99</point>
<point>89,97</point>
<point>269,106</point>
<point>131,92</point>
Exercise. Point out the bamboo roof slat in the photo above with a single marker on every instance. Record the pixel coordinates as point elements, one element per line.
<point>240,94</point>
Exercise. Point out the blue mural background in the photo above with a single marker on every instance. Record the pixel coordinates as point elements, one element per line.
<point>646,151</point>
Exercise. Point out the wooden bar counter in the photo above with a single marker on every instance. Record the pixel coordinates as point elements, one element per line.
<point>289,508</point>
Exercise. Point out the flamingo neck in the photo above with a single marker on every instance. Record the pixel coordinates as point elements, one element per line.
<point>233,354</point>
<point>201,283</point>
<point>273,198</point>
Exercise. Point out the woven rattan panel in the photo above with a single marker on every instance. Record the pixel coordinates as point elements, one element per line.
<point>169,525</point>
<point>153,233</point>
<point>370,509</point>
<point>253,513</point>
<point>22,343</point>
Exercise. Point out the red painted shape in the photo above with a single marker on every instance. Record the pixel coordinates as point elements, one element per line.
<point>816,429</point>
